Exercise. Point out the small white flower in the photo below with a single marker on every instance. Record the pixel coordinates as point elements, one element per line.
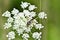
<point>7,25</point>
<point>25,36</point>
<point>26,12</point>
<point>15,11</point>
<point>10,19</point>
<point>42,15</point>
<point>33,14</point>
<point>11,35</point>
<point>28,30</point>
<point>21,14</point>
<point>16,17</point>
<point>38,26</point>
<point>36,35</point>
<point>32,7</point>
<point>6,14</point>
<point>24,4</point>
<point>20,31</point>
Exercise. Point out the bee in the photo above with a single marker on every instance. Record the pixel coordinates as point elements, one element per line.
<point>29,22</point>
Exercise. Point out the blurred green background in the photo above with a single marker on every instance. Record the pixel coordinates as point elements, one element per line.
<point>52,24</point>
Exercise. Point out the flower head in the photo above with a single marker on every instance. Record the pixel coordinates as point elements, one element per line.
<point>42,15</point>
<point>33,14</point>
<point>32,7</point>
<point>10,20</point>
<point>15,11</point>
<point>11,35</point>
<point>7,25</point>
<point>24,4</point>
<point>6,14</point>
<point>23,22</point>
<point>39,26</point>
<point>36,35</point>
<point>26,12</point>
<point>25,36</point>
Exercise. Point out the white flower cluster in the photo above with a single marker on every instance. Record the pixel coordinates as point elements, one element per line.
<point>23,22</point>
<point>42,15</point>
<point>25,36</point>
<point>11,35</point>
<point>7,14</point>
<point>38,26</point>
<point>37,35</point>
